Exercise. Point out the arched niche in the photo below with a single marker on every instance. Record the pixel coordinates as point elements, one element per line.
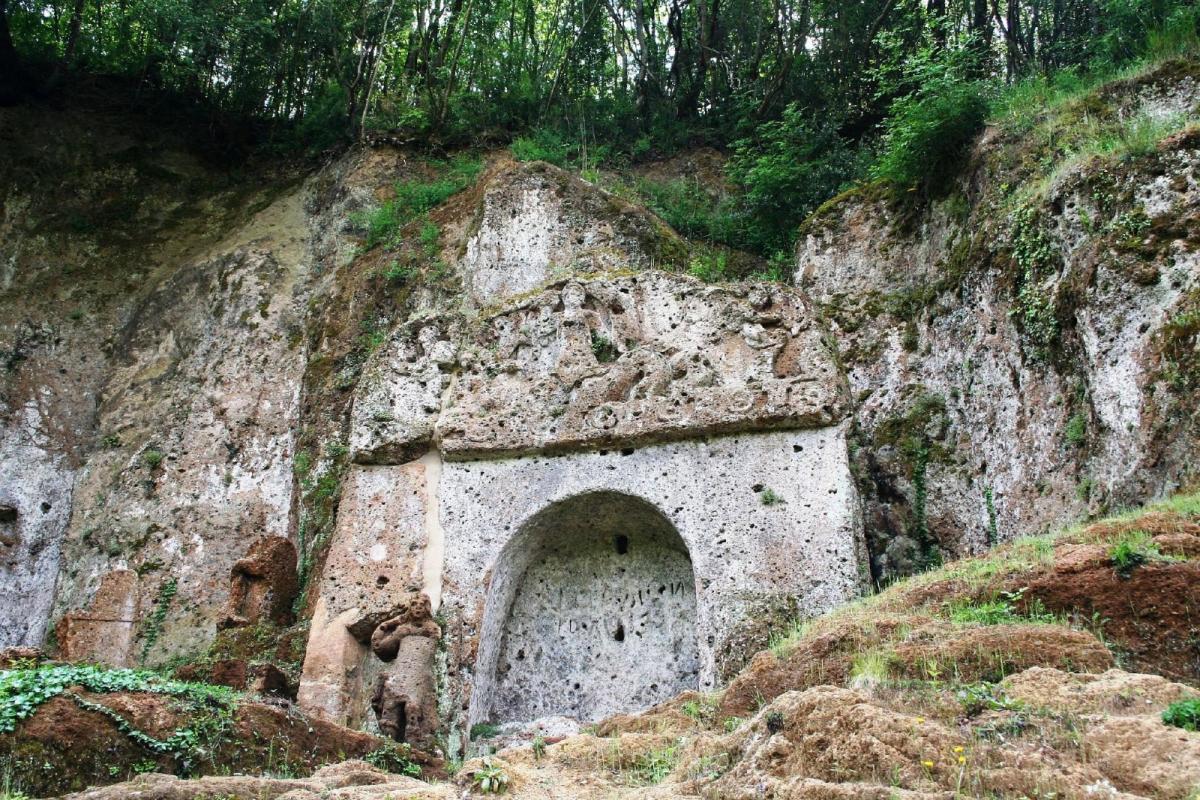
<point>591,611</point>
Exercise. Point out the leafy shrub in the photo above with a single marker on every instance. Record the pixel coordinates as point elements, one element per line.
<point>325,122</point>
<point>152,458</point>
<point>394,757</point>
<point>397,273</point>
<point>603,348</point>
<point>1131,551</point>
<point>1076,431</point>
<point>544,144</point>
<point>786,169</point>
<point>692,211</point>
<point>709,267</point>
<point>484,730</point>
<point>928,133</point>
<point>1183,714</point>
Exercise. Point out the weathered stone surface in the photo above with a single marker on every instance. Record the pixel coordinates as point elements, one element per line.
<point>104,631</point>
<point>539,222</point>
<point>802,544</point>
<point>377,552</point>
<point>35,482</point>
<point>934,329</point>
<point>598,362</point>
<point>604,618</point>
<point>262,585</point>
<point>376,556</point>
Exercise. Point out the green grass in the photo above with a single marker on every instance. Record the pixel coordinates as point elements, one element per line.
<point>871,668</point>
<point>1001,609</point>
<point>383,225</point>
<point>653,767</point>
<point>1019,556</point>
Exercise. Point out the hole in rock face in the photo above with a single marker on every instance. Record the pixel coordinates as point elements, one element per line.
<point>598,585</point>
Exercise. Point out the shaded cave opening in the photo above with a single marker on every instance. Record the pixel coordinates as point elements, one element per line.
<point>592,613</point>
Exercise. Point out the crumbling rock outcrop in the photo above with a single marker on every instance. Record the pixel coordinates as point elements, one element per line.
<point>999,392</point>
<point>538,223</point>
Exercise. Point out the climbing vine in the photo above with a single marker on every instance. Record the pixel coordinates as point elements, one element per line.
<point>166,593</point>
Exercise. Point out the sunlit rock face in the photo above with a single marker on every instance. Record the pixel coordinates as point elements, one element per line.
<point>537,223</point>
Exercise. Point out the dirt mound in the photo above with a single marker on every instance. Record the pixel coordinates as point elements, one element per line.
<point>1114,692</point>
<point>1143,756</point>
<point>833,742</point>
<point>68,745</point>
<point>1148,615</point>
<point>838,735</point>
<point>989,653</point>
<point>351,780</point>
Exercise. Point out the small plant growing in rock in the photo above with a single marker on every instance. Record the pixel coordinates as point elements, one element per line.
<point>603,348</point>
<point>653,767</point>
<point>709,268</point>
<point>539,747</point>
<point>152,458</point>
<point>166,593</point>
<point>397,273</point>
<point>989,503</point>
<point>873,668</point>
<point>490,778</point>
<point>1183,714</point>
<point>1076,431</point>
<point>979,697</point>
<point>769,497</point>
<point>484,730</point>
<point>1131,551</point>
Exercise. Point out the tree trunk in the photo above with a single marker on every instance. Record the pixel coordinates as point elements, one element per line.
<point>11,75</point>
<point>937,14</point>
<point>981,37</point>
<point>73,34</point>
